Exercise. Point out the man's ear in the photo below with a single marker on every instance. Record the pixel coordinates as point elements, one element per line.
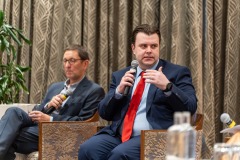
<point>133,48</point>
<point>87,62</point>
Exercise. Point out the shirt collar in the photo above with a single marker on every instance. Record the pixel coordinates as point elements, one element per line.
<point>74,85</point>
<point>139,70</point>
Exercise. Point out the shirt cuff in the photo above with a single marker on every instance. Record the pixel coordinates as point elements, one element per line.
<point>117,94</point>
<point>51,118</point>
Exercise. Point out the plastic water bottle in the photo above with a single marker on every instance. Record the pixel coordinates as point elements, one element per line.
<point>172,150</point>
<point>188,137</point>
<point>181,138</point>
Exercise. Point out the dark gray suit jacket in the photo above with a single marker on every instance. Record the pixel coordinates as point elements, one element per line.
<point>81,105</point>
<point>20,132</point>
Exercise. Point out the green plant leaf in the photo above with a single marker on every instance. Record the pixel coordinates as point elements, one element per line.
<point>12,34</point>
<point>3,46</point>
<point>23,68</point>
<point>12,79</point>
<point>1,17</point>
<point>14,53</point>
<point>22,86</point>
<point>22,36</point>
<point>3,66</point>
<point>8,51</point>
<point>4,81</point>
<point>6,42</point>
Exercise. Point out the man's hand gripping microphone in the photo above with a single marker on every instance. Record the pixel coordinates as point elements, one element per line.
<point>64,95</point>
<point>134,65</point>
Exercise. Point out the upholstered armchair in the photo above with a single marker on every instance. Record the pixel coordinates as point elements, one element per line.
<point>153,142</point>
<point>61,140</point>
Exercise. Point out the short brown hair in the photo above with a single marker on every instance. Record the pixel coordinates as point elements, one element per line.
<point>82,52</point>
<point>147,29</point>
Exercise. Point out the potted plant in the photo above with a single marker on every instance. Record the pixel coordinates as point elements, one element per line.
<point>12,79</point>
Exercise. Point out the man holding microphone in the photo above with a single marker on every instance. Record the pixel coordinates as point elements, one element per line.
<point>159,89</point>
<point>75,99</point>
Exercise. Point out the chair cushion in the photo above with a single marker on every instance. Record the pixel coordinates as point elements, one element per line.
<point>33,156</point>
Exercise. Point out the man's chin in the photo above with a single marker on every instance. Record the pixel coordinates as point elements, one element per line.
<point>68,76</point>
<point>149,63</point>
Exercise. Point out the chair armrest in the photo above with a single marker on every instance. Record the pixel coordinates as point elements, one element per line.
<point>197,121</point>
<point>94,118</point>
<point>153,144</point>
<point>61,140</point>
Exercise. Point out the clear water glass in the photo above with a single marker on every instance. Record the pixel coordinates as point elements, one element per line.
<point>235,152</point>
<point>222,151</point>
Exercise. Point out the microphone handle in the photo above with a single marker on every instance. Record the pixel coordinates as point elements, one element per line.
<point>127,88</point>
<point>126,91</point>
<point>231,123</point>
<point>50,110</point>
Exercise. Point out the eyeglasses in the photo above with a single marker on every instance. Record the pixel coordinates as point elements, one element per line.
<point>70,61</point>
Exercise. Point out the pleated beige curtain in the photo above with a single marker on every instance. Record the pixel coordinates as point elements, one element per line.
<point>201,34</point>
<point>221,66</point>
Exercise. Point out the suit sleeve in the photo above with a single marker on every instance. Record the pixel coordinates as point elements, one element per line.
<point>50,93</point>
<point>183,97</point>
<point>110,107</point>
<point>88,109</point>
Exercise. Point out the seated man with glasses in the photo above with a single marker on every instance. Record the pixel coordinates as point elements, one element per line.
<point>76,99</point>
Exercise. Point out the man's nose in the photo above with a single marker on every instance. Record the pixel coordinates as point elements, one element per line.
<point>67,64</point>
<point>149,49</point>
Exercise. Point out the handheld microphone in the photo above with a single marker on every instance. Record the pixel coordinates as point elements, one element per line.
<point>134,65</point>
<point>64,95</point>
<point>225,118</point>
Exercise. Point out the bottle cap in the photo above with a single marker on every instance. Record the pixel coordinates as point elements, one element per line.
<point>178,118</point>
<point>186,117</point>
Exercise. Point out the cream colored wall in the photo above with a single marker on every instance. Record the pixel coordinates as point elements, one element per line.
<point>25,107</point>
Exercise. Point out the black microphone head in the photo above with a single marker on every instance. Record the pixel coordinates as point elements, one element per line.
<point>134,64</point>
<point>225,118</point>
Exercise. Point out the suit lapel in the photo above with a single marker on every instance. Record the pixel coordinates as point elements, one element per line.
<point>76,94</point>
<point>58,90</point>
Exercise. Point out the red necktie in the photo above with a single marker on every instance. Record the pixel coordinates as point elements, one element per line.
<point>132,110</point>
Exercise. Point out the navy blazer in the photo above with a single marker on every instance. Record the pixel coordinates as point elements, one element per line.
<point>160,108</point>
<point>81,105</point>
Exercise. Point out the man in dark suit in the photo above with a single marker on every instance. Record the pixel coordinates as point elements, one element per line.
<point>19,130</point>
<point>167,88</point>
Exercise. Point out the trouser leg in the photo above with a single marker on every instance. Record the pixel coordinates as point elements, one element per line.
<point>11,123</point>
<point>10,154</point>
<point>98,147</point>
<point>107,147</point>
<point>27,141</point>
<point>129,150</point>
